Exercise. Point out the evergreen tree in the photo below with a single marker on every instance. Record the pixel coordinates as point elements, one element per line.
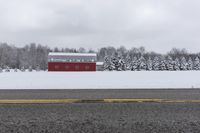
<point>162,65</point>
<point>196,64</point>
<point>122,64</point>
<point>38,68</point>
<point>169,64</point>
<point>138,64</point>
<point>30,69</point>
<point>23,69</point>
<point>183,64</point>
<point>149,64</point>
<point>156,64</point>
<point>107,64</point>
<point>134,64</point>
<point>190,64</point>
<point>15,70</point>
<point>7,69</point>
<point>176,64</point>
<point>128,62</point>
<point>142,65</point>
<point>115,63</point>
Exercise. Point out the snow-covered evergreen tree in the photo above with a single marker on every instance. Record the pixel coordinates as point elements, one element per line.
<point>107,64</point>
<point>22,69</point>
<point>38,68</point>
<point>128,62</point>
<point>142,65</point>
<point>169,63</point>
<point>176,64</point>
<point>1,70</point>
<point>149,64</point>
<point>196,64</point>
<point>183,64</point>
<point>115,63</point>
<point>122,64</point>
<point>162,65</point>
<point>134,64</point>
<point>30,69</point>
<point>7,69</point>
<point>190,64</point>
<point>156,63</point>
<point>15,70</point>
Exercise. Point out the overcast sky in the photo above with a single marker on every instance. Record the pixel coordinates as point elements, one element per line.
<point>158,25</point>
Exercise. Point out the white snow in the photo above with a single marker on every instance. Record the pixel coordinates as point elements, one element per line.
<point>100,80</point>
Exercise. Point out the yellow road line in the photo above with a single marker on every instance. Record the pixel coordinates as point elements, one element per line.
<point>38,101</point>
<point>131,100</point>
<point>51,101</point>
<point>149,100</point>
<point>181,101</point>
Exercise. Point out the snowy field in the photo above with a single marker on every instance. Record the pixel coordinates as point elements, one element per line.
<point>99,80</point>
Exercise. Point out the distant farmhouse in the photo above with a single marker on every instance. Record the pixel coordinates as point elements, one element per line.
<point>72,61</point>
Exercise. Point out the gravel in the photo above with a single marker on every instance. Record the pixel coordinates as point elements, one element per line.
<point>100,118</point>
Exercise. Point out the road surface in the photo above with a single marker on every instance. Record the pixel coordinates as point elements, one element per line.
<point>168,94</point>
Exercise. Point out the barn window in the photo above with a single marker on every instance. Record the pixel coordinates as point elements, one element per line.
<point>87,67</point>
<point>66,67</point>
<point>56,67</point>
<point>77,67</point>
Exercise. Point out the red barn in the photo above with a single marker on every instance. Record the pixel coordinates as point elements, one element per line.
<point>72,62</point>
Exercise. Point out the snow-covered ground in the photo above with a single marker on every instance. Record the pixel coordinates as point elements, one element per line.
<point>99,80</point>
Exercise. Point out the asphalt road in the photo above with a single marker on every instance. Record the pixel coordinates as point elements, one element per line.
<point>170,94</point>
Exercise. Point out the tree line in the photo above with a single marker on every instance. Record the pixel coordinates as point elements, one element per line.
<point>36,56</point>
<point>161,63</point>
<point>138,59</point>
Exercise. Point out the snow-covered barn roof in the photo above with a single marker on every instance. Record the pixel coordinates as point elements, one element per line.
<point>72,57</point>
<point>71,54</point>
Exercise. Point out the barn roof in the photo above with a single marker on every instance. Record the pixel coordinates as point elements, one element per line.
<point>72,54</point>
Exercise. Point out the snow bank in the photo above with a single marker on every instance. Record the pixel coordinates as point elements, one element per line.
<point>99,80</point>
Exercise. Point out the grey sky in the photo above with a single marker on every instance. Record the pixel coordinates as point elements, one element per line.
<point>159,25</point>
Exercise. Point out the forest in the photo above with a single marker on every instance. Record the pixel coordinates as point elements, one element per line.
<point>119,59</point>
